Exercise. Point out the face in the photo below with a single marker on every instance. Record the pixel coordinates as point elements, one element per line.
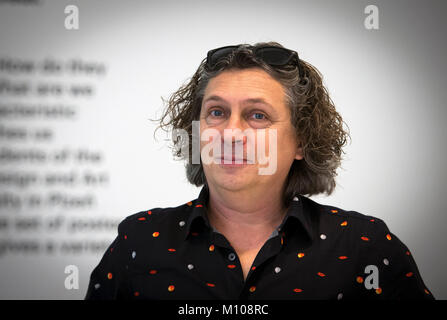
<point>251,103</point>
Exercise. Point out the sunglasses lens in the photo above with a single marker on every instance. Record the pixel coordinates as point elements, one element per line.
<point>274,56</point>
<point>219,54</point>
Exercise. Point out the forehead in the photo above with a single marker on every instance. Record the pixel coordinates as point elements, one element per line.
<point>250,83</point>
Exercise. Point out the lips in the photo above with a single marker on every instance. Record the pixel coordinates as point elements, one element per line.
<point>232,160</point>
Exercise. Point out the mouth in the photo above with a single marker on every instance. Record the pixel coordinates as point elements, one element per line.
<point>232,161</point>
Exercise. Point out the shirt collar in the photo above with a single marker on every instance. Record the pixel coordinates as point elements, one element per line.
<point>296,211</point>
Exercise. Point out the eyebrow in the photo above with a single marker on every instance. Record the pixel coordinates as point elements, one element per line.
<point>246,101</point>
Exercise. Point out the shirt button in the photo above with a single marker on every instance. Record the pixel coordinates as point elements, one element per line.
<point>231,256</point>
<point>181,223</point>
<point>277,270</point>
<point>386,262</point>
<point>296,199</point>
<point>322,236</point>
<point>190,266</point>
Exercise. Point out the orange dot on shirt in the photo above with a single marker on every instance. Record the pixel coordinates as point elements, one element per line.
<point>153,271</point>
<point>365,238</point>
<point>211,248</point>
<point>252,289</point>
<point>300,255</point>
<point>189,203</point>
<point>142,218</point>
<point>149,212</point>
<point>136,293</point>
<point>388,236</point>
<point>109,275</point>
<point>156,234</point>
<point>321,274</point>
<point>409,274</point>
<point>342,257</point>
<point>298,290</point>
<point>379,290</point>
<point>407,253</point>
<point>171,288</point>
<point>171,250</point>
<point>253,268</point>
<point>359,279</point>
<point>344,223</point>
<point>426,291</point>
<point>212,285</point>
<point>231,266</point>
<point>125,237</point>
<point>334,211</point>
<point>199,206</point>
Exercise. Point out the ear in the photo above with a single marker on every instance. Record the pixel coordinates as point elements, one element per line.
<point>299,153</point>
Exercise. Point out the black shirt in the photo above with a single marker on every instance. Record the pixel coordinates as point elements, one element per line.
<point>318,252</point>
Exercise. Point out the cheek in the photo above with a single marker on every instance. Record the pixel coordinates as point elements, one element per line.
<point>286,145</point>
<point>206,134</point>
<point>210,144</point>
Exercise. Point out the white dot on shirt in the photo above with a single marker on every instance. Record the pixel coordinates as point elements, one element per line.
<point>97,286</point>
<point>190,266</point>
<point>134,254</point>
<point>296,199</point>
<point>322,236</point>
<point>181,223</point>
<point>386,262</point>
<point>340,296</point>
<point>277,270</point>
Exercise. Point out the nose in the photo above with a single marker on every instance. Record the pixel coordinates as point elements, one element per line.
<point>233,131</point>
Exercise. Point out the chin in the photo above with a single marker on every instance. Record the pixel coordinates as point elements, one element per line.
<point>232,183</point>
<point>231,179</point>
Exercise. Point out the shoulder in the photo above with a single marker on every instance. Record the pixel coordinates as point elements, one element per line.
<point>370,238</point>
<point>155,217</point>
<point>330,214</point>
<point>362,230</point>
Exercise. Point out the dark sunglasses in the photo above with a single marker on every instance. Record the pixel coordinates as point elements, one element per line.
<point>274,56</point>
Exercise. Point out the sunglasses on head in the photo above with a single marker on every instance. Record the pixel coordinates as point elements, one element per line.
<point>274,56</point>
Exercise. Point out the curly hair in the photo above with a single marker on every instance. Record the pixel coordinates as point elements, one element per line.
<point>318,126</point>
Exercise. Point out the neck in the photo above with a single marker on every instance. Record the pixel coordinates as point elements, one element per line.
<point>245,211</point>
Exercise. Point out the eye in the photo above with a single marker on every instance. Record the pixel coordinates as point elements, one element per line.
<point>259,116</point>
<point>216,113</point>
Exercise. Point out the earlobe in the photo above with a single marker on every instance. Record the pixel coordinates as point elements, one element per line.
<point>299,153</point>
<point>298,156</point>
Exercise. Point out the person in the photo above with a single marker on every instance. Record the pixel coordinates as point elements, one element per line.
<point>253,234</point>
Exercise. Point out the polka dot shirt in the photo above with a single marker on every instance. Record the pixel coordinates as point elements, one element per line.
<point>317,252</point>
